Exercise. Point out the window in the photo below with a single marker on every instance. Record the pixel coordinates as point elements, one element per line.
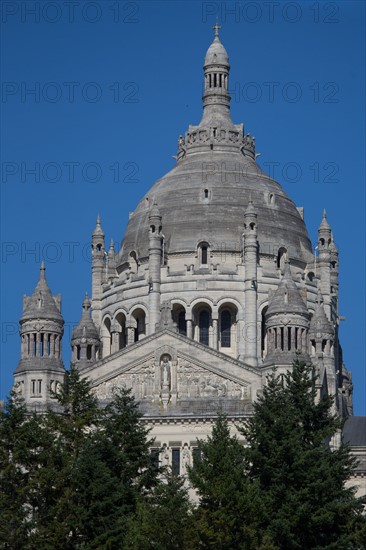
<point>205,193</point>
<point>281,257</point>
<point>176,462</point>
<point>225,329</point>
<point>154,456</point>
<point>36,387</point>
<point>204,324</point>
<point>196,454</point>
<point>204,255</point>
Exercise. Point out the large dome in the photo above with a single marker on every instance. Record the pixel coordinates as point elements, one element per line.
<point>229,181</point>
<point>203,198</point>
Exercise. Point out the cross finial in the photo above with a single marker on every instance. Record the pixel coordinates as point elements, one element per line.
<point>216,28</point>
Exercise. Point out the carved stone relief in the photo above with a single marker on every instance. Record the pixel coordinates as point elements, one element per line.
<point>141,379</point>
<point>194,382</point>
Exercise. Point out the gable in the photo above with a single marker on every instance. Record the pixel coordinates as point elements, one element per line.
<point>167,369</point>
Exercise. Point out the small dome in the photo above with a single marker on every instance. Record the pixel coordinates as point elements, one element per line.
<point>41,305</point>
<point>216,54</point>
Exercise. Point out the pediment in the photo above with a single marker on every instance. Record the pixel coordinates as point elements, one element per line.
<point>169,368</point>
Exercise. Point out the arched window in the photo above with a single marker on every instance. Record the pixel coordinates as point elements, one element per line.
<point>182,323</point>
<point>204,325</point>
<point>225,329</point>
<point>204,255</point>
<point>281,257</point>
<point>120,321</point>
<point>140,330</point>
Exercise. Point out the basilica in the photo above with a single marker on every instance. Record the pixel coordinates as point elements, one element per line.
<point>215,283</point>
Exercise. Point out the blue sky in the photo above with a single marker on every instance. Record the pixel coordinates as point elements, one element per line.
<point>115,83</point>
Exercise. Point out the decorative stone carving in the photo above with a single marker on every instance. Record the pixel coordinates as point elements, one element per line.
<point>165,374</point>
<point>18,388</point>
<point>164,456</point>
<point>181,148</point>
<point>140,379</point>
<point>186,458</point>
<point>194,382</point>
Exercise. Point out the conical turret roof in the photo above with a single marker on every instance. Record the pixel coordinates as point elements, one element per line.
<point>319,322</point>
<point>41,304</point>
<point>287,298</point>
<point>324,224</point>
<point>86,327</point>
<point>98,228</point>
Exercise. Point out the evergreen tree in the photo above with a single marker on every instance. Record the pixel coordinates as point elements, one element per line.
<point>163,520</point>
<point>16,432</point>
<point>301,479</point>
<point>224,518</point>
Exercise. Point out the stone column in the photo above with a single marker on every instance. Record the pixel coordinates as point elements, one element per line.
<point>215,336</point>
<point>250,285</point>
<point>189,328</point>
<point>155,258</point>
<point>130,333</point>
<point>38,345</point>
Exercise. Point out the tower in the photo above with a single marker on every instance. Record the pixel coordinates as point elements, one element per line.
<point>40,369</point>
<point>98,267</point>
<point>85,342</point>
<point>324,248</point>
<point>287,323</point>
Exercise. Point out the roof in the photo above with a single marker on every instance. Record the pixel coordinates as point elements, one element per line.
<point>319,322</point>
<point>86,327</point>
<point>287,297</point>
<point>217,156</point>
<point>41,304</point>
<point>354,431</point>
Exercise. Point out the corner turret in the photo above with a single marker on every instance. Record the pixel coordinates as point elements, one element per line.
<point>40,370</point>
<point>85,343</point>
<point>287,323</point>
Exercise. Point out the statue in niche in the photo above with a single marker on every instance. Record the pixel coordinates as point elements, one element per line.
<point>164,456</point>
<point>194,388</point>
<point>186,458</point>
<point>165,374</point>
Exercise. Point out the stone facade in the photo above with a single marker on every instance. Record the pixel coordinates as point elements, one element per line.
<point>214,284</point>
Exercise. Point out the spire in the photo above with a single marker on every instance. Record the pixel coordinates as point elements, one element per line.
<point>42,269</point>
<point>98,228</point>
<point>111,252</point>
<point>86,305</point>
<point>324,223</point>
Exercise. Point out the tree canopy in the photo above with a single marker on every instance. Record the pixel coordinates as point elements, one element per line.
<point>82,476</point>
